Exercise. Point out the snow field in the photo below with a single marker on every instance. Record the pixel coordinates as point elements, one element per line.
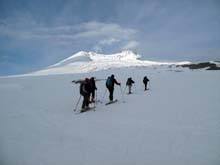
<point>175,122</point>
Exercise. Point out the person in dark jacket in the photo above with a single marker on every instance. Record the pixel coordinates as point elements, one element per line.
<point>129,84</point>
<point>93,88</point>
<point>85,90</point>
<point>145,81</point>
<point>110,86</point>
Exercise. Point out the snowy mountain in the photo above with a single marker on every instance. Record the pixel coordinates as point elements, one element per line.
<point>176,121</point>
<point>83,62</point>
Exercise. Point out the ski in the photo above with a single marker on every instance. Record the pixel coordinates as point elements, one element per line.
<point>81,80</point>
<point>111,102</point>
<point>88,109</point>
<point>99,102</point>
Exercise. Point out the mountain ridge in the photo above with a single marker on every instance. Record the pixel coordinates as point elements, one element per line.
<point>83,62</point>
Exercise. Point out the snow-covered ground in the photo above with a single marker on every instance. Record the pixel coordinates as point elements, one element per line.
<point>177,121</point>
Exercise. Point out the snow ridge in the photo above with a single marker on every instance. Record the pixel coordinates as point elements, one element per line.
<point>83,56</point>
<point>83,62</point>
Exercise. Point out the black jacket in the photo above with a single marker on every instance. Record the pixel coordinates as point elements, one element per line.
<point>92,84</point>
<point>145,80</point>
<point>113,82</point>
<point>85,88</point>
<point>129,82</point>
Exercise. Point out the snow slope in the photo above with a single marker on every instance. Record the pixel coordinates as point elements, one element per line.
<point>175,122</point>
<point>83,62</point>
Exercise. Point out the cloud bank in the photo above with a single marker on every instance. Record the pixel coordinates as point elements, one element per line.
<point>99,34</point>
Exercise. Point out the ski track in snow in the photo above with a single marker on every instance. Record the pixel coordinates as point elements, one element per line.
<point>175,122</point>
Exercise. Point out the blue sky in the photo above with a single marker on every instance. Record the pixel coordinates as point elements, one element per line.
<point>38,33</point>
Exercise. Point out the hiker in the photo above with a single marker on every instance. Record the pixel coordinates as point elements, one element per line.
<point>93,88</point>
<point>85,90</point>
<point>145,81</point>
<point>129,84</point>
<point>110,85</point>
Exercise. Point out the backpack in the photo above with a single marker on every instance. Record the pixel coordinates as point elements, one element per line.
<point>145,80</point>
<point>129,82</point>
<point>84,88</point>
<point>109,82</point>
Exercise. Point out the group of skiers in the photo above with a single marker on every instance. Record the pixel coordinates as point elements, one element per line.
<point>87,90</point>
<point>130,82</point>
<point>88,87</point>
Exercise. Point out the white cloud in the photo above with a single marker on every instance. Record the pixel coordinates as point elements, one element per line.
<point>109,30</point>
<point>97,49</point>
<point>105,42</point>
<point>109,41</point>
<point>131,45</point>
<point>97,35</point>
<point>80,31</point>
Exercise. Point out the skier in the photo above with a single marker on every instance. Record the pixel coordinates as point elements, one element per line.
<point>110,86</point>
<point>85,90</point>
<point>129,84</point>
<point>145,81</point>
<point>93,88</point>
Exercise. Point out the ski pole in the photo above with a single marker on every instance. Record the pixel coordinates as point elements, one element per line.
<point>104,95</point>
<point>96,98</point>
<point>77,103</point>
<point>95,103</point>
<point>125,88</point>
<point>122,95</point>
<point>135,88</point>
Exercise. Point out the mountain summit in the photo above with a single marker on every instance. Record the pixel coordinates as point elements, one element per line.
<point>83,62</point>
<point>91,56</point>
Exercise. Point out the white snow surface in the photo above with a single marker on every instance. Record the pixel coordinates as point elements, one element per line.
<point>177,121</point>
<point>83,62</point>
